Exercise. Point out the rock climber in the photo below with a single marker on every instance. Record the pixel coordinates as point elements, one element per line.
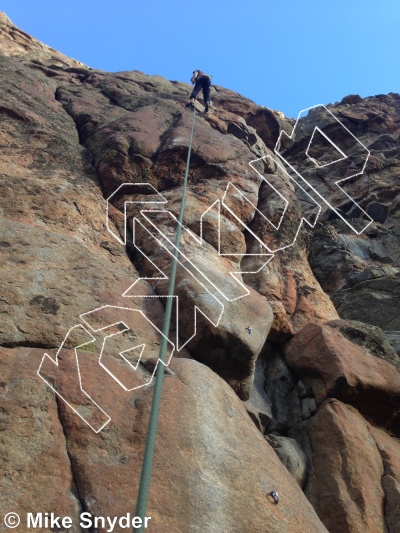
<point>200,80</point>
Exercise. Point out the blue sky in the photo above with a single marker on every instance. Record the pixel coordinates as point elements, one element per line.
<point>284,54</point>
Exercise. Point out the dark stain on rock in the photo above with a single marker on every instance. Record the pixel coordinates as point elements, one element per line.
<point>47,305</point>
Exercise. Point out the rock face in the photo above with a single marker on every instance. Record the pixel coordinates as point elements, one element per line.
<point>35,466</point>
<point>281,326</point>
<point>75,469</point>
<point>292,456</point>
<point>375,301</point>
<point>353,491</point>
<point>340,258</point>
<point>259,404</point>
<point>360,272</point>
<point>348,494</point>
<point>333,366</point>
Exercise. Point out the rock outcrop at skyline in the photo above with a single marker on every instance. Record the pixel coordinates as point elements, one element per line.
<point>285,377</point>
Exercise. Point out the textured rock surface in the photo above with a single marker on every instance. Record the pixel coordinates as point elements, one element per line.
<point>35,468</point>
<point>394,339</point>
<point>339,257</point>
<point>389,449</point>
<point>281,386</point>
<point>69,137</point>
<point>333,366</point>
<point>346,488</point>
<point>259,404</point>
<point>71,468</point>
<point>361,271</point>
<point>292,456</point>
<point>354,485</point>
<point>16,43</point>
<point>375,301</point>
<point>372,338</point>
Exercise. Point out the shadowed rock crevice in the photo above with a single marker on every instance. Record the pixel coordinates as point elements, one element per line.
<point>389,451</point>
<point>333,366</point>
<point>24,344</point>
<point>291,404</point>
<point>88,155</point>
<point>75,481</point>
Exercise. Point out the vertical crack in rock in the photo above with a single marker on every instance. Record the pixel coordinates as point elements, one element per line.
<point>164,137</point>
<point>129,248</point>
<point>82,143</point>
<point>390,482</point>
<point>76,489</point>
<point>385,504</point>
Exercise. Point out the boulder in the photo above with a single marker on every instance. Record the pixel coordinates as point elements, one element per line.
<point>331,365</point>
<point>345,486</point>
<point>259,404</point>
<point>368,337</point>
<point>389,449</point>
<point>208,452</point>
<point>292,456</point>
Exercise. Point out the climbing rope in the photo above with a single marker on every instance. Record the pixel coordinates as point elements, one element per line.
<point>147,466</point>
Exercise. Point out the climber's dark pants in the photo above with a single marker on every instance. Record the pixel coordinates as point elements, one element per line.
<point>202,83</point>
